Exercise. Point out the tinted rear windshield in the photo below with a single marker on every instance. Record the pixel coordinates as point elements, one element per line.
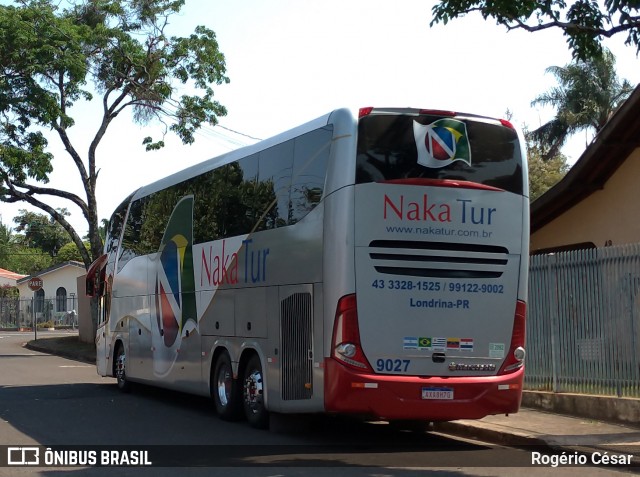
<point>395,147</point>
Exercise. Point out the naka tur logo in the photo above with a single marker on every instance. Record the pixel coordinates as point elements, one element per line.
<point>442,142</point>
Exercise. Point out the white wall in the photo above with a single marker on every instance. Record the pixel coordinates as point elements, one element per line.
<point>65,276</point>
<point>7,281</point>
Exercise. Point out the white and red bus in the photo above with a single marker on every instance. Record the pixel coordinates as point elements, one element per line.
<point>370,263</point>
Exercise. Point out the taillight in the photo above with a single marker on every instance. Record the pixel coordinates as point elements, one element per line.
<point>506,124</point>
<point>516,354</point>
<point>345,346</point>
<point>438,112</point>
<point>365,112</point>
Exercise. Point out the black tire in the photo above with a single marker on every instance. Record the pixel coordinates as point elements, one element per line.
<point>253,395</point>
<point>119,369</point>
<point>225,390</point>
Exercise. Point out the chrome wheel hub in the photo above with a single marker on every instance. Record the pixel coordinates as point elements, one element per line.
<point>224,386</point>
<point>253,390</point>
<point>120,366</point>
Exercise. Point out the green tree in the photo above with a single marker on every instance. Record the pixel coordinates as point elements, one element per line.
<point>6,245</point>
<point>41,231</point>
<point>69,252</point>
<point>8,291</point>
<point>584,23</point>
<point>544,174</point>
<point>52,59</point>
<point>588,92</point>
<point>27,260</point>
<point>18,257</point>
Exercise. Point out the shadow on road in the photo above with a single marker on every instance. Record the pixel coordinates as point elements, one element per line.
<point>179,429</point>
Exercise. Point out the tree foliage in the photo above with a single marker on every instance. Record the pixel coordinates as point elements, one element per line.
<point>544,173</point>
<point>69,252</point>
<point>20,258</point>
<point>42,243</point>
<point>8,291</point>
<point>588,92</point>
<point>41,231</point>
<point>584,23</point>
<point>6,243</point>
<point>52,59</point>
<point>27,260</point>
<point>17,256</point>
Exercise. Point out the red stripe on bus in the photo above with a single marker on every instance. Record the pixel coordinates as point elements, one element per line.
<point>421,181</point>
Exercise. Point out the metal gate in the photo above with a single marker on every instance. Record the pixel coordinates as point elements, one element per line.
<point>584,320</point>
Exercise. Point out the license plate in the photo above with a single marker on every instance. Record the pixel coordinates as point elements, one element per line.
<point>437,393</point>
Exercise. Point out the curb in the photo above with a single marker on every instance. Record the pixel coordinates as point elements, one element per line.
<point>618,410</point>
<point>487,434</point>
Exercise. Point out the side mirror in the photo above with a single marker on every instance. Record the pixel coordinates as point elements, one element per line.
<point>95,276</point>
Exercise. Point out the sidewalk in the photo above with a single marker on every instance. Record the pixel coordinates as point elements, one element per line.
<point>529,427</point>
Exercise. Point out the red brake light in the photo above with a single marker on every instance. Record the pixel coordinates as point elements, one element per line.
<point>422,181</point>
<point>515,355</point>
<point>507,124</point>
<point>437,112</point>
<point>365,112</point>
<point>346,346</point>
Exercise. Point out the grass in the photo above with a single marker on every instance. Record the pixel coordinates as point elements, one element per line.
<point>67,346</point>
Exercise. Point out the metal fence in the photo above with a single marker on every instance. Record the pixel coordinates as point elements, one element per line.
<point>16,313</point>
<point>583,322</point>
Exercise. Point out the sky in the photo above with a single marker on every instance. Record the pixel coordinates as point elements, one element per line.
<point>290,61</point>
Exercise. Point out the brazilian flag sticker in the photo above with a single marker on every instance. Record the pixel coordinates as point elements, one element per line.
<point>424,342</point>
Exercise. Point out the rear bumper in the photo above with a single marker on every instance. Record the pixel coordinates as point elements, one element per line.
<point>400,397</point>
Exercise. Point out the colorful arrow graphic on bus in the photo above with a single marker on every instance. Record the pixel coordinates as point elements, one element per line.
<point>175,297</point>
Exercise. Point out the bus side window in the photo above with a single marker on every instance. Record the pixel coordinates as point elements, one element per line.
<point>131,236</point>
<point>311,155</point>
<point>246,198</point>
<point>274,183</point>
<point>114,228</point>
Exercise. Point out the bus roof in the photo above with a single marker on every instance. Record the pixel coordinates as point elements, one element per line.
<point>353,113</point>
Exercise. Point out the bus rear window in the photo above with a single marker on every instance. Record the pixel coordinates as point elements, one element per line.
<point>395,147</point>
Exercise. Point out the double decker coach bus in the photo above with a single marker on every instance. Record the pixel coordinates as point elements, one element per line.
<point>369,262</point>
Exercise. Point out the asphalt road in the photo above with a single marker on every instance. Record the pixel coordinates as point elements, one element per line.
<point>51,401</point>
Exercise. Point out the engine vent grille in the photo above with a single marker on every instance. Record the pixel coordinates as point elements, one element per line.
<point>297,346</point>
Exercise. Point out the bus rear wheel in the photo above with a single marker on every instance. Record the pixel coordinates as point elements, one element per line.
<point>225,389</point>
<point>120,369</point>
<point>253,395</point>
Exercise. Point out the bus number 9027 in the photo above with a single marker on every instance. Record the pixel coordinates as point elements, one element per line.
<point>393,365</point>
